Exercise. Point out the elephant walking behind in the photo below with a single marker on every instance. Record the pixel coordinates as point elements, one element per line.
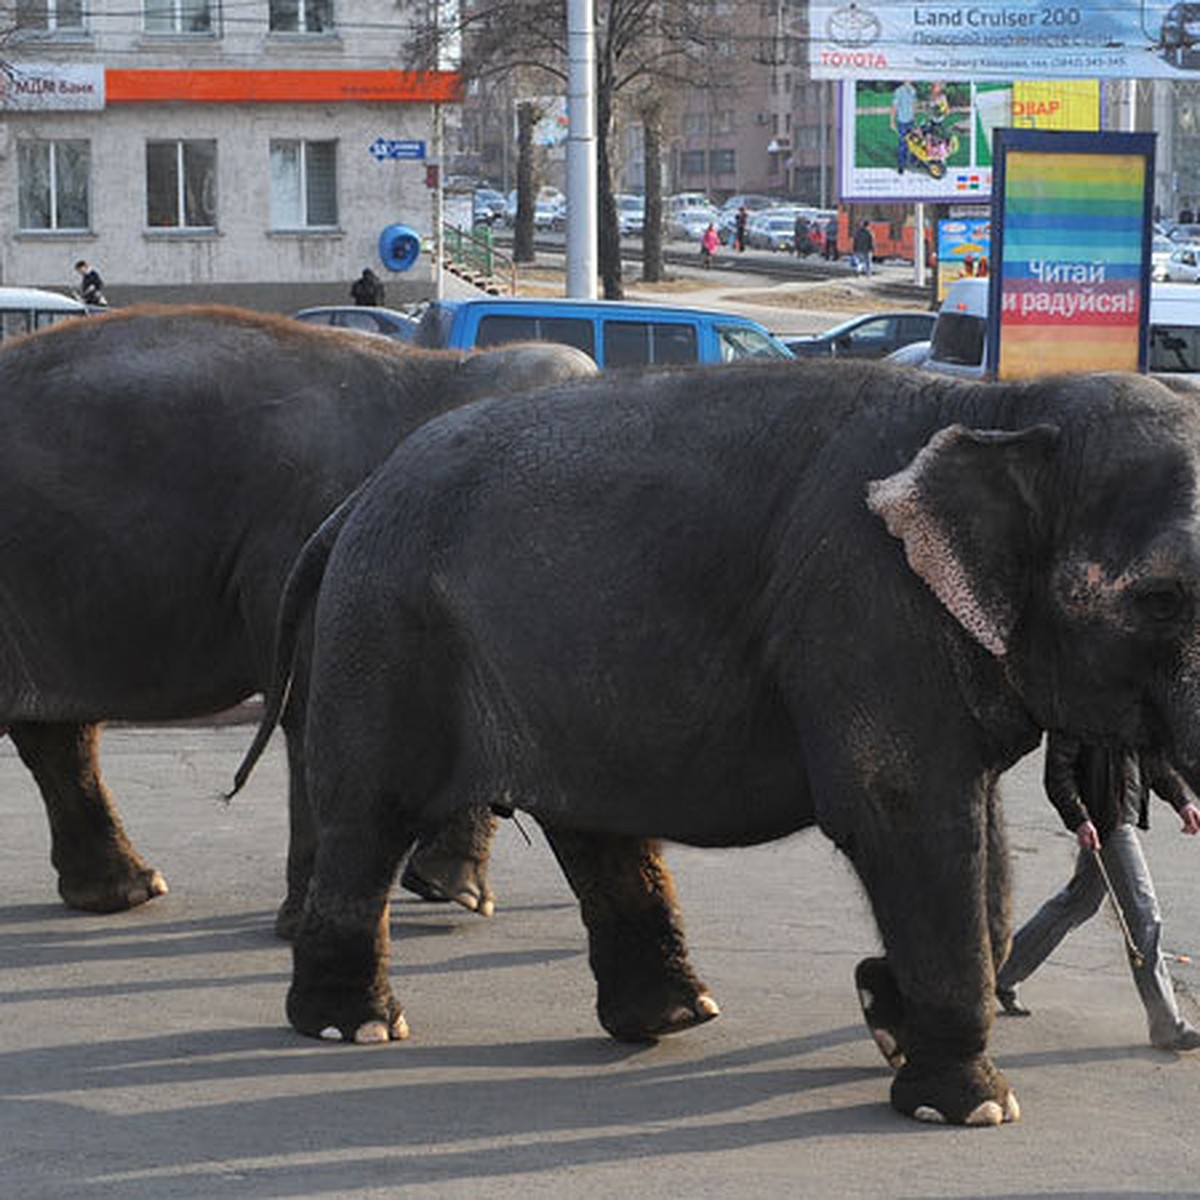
<point>159,471</point>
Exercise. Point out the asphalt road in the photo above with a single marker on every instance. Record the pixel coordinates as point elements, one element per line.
<point>145,1054</point>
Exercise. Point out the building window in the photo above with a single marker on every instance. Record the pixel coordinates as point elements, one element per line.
<point>303,184</point>
<point>722,162</point>
<point>179,16</point>
<point>691,162</point>
<point>181,185</point>
<point>52,184</point>
<point>301,16</point>
<point>50,16</point>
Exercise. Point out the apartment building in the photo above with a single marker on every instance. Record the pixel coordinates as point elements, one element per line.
<point>209,149</point>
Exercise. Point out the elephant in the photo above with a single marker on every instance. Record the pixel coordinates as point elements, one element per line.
<point>720,605</point>
<point>160,469</point>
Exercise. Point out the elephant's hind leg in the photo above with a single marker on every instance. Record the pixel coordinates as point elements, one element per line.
<point>645,983</point>
<point>98,868</point>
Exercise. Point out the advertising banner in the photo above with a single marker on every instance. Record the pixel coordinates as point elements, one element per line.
<point>1070,252</point>
<point>909,141</point>
<point>1004,39</point>
<point>964,249</point>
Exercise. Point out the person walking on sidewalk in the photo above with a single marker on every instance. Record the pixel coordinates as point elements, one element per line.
<point>1099,792</point>
<point>864,248</point>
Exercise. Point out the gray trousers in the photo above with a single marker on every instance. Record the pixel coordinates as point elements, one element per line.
<point>1079,900</point>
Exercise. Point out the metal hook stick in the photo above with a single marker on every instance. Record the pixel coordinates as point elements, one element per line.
<point>1139,959</point>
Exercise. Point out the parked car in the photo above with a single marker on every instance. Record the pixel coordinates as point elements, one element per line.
<point>488,206</point>
<point>26,310</point>
<point>362,318</point>
<point>1183,264</point>
<point>614,333</point>
<point>771,229</point>
<point>729,210</point>
<point>678,201</point>
<point>915,354</point>
<point>872,335</point>
<point>1185,233</point>
<point>1161,249</point>
<point>631,214</point>
<point>690,223</point>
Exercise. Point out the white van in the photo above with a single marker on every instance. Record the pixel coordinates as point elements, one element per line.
<point>26,310</point>
<point>959,342</point>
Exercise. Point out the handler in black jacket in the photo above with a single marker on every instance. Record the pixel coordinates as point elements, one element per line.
<point>1100,792</point>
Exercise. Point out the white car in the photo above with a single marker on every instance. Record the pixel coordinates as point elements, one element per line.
<point>1161,249</point>
<point>631,214</point>
<point>1183,264</point>
<point>690,223</point>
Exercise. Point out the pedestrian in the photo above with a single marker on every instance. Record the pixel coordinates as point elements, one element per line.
<point>831,239</point>
<point>367,289</point>
<point>709,241</point>
<point>91,286</point>
<point>1100,791</point>
<point>800,243</point>
<point>864,248</point>
<point>739,228</point>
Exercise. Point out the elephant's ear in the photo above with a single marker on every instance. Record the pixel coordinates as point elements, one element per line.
<point>967,509</point>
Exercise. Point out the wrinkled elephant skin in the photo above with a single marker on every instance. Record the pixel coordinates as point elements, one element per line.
<point>159,470</point>
<point>719,606</point>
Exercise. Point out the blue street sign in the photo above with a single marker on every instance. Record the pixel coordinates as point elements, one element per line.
<point>410,149</point>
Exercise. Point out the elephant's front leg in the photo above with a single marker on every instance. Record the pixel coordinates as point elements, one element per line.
<point>929,888</point>
<point>646,986</point>
<point>98,868</point>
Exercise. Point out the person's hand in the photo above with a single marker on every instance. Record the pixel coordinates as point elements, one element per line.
<point>1088,838</point>
<point>1189,814</point>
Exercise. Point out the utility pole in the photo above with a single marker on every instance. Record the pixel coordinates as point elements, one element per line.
<point>582,225</point>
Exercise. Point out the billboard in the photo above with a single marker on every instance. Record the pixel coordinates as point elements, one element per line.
<point>911,141</point>
<point>1004,39</point>
<point>964,249</point>
<point>1070,252</point>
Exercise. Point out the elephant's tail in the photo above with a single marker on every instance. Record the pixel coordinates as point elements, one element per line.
<point>295,605</point>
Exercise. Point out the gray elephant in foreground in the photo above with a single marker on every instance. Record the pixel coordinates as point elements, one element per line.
<point>722,605</point>
<point>159,470</point>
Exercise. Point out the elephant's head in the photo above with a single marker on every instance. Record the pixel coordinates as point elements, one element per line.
<point>1070,549</point>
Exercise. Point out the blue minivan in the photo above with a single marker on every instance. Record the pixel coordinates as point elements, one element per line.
<point>613,332</point>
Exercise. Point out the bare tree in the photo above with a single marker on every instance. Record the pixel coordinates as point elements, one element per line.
<point>638,43</point>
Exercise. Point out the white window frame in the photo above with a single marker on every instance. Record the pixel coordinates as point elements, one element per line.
<point>54,24</point>
<point>304,9</point>
<point>56,225</point>
<point>180,146</point>
<point>290,213</point>
<point>179,12</point>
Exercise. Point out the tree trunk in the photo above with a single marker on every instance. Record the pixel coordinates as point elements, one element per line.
<point>652,233</point>
<point>609,231</point>
<point>527,117</point>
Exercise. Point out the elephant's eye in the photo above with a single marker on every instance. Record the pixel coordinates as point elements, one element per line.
<point>1162,601</point>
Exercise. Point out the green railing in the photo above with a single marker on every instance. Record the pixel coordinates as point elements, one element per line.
<point>472,253</point>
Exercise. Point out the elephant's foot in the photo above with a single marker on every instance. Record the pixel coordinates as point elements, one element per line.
<point>333,1015</point>
<point>883,1008</point>
<point>637,1011</point>
<point>340,988</point>
<point>124,884</point>
<point>973,1092</point>
<point>453,864</point>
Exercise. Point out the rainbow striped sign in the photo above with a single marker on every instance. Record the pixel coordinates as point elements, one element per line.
<point>1070,254</point>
